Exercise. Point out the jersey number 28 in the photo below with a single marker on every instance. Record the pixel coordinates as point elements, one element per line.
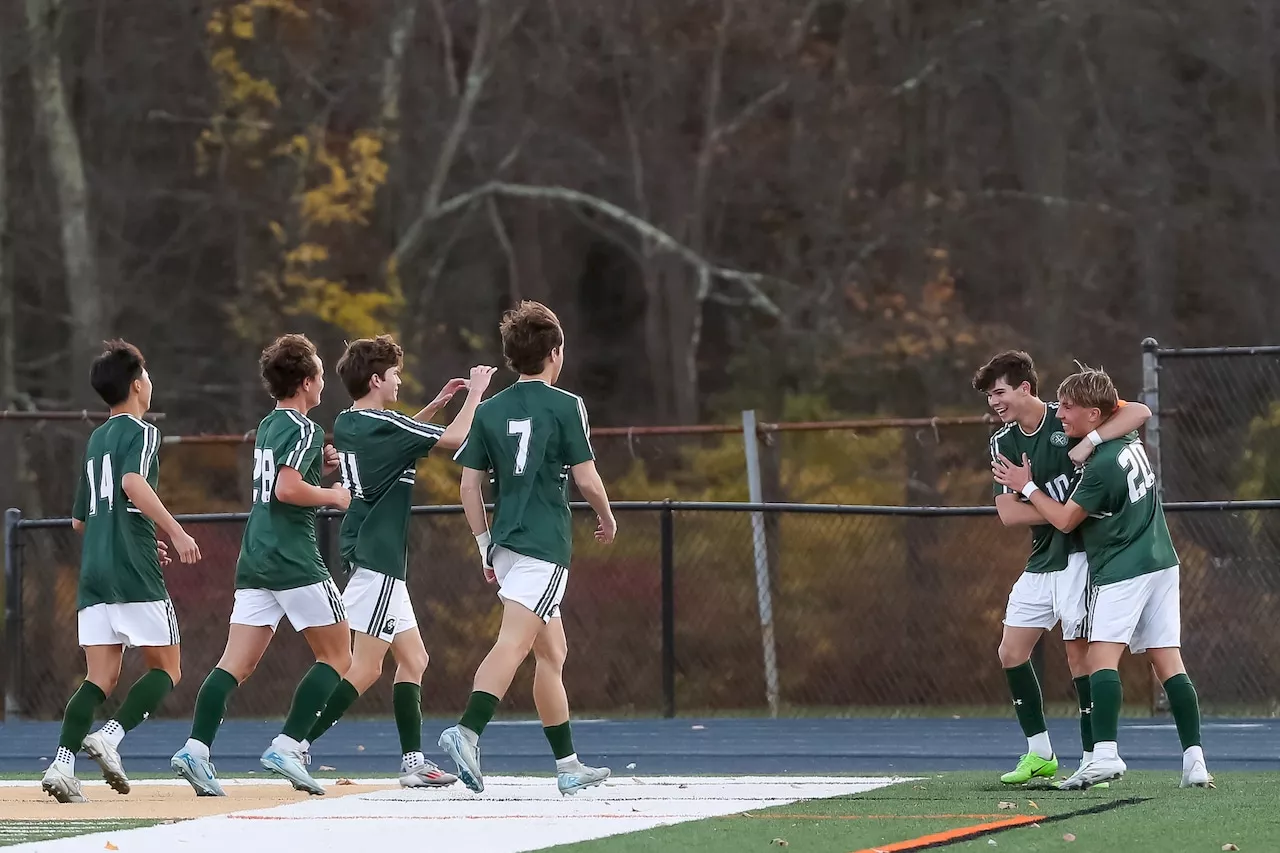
<point>1133,459</point>
<point>264,474</point>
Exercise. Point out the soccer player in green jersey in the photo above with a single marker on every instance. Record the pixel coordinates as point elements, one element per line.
<point>378,451</point>
<point>122,600</point>
<point>1133,572</point>
<point>1053,587</point>
<point>280,573</point>
<point>528,438</point>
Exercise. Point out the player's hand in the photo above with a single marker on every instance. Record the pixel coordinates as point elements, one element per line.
<point>341,497</point>
<point>188,550</point>
<point>1081,452</point>
<point>330,459</point>
<point>606,529</point>
<point>162,553</point>
<point>489,575</point>
<point>453,386</point>
<point>481,376</point>
<point>1009,475</point>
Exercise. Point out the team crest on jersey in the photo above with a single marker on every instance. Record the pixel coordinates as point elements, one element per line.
<point>1058,439</point>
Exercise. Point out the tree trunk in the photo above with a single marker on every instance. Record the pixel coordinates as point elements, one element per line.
<point>53,117</point>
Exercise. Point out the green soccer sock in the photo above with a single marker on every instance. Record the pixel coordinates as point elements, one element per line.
<point>1185,706</point>
<point>480,710</point>
<point>561,739</point>
<point>1108,696</point>
<point>344,696</point>
<point>144,698</point>
<point>1028,702</point>
<point>1085,695</point>
<point>211,704</point>
<point>406,699</point>
<point>78,718</point>
<point>309,700</point>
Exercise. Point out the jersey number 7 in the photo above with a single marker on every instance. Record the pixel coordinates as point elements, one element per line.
<point>524,429</point>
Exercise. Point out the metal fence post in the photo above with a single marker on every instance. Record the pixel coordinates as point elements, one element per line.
<point>1151,398</point>
<point>667,528</point>
<point>11,667</point>
<point>764,589</point>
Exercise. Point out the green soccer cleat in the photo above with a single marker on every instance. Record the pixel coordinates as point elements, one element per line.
<point>1031,766</point>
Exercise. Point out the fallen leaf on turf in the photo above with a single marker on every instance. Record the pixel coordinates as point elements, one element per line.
<point>1005,805</point>
<point>1230,847</point>
<point>631,766</point>
<point>1032,803</point>
<point>991,841</point>
<point>344,782</point>
<point>781,842</point>
<point>111,846</point>
<point>360,748</point>
<point>327,767</point>
<point>1068,837</point>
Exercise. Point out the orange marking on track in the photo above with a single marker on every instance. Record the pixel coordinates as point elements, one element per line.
<point>951,835</point>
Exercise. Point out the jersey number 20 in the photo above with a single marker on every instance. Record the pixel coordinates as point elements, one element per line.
<point>1141,478</point>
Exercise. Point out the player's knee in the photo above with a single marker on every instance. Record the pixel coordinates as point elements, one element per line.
<point>1011,656</point>
<point>174,671</point>
<point>550,656</point>
<point>340,659</point>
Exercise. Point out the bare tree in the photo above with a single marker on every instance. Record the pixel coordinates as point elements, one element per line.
<point>53,114</point>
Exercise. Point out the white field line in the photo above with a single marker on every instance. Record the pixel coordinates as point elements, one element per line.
<point>514,814</point>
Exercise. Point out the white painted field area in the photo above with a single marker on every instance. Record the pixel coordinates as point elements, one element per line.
<point>513,814</point>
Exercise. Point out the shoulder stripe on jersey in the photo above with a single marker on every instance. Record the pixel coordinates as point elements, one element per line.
<point>425,430</point>
<point>582,413</point>
<point>463,447</point>
<point>307,433</point>
<point>153,436</point>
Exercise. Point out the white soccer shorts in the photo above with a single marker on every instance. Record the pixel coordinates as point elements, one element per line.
<point>528,581</point>
<point>132,624</point>
<point>1143,612</point>
<point>1043,599</point>
<point>378,604</point>
<point>306,606</point>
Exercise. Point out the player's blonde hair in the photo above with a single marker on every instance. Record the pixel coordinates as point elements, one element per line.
<point>1090,388</point>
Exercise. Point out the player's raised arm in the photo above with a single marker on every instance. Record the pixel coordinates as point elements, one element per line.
<point>456,433</point>
<point>1128,417</point>
<point>1015,512</point>
<point>1065,517</point>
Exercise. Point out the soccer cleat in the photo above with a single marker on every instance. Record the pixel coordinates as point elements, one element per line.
<point>108,757</point>
<point>1069,783</point>
<point>1197,776</point>
<point>198,772</point>
<point>1031,766</point>
<point>1093,774</point>
<point>291,765</point>
<point>61,784</point>
<point>465,754</point>
<point>426,775</point>
<point>572,781</point>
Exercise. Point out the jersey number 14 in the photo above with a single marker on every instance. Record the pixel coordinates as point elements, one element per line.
<point>103,489</point>
<point>1133,459</point>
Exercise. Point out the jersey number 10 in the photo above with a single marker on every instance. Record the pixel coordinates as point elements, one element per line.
<point>1133,459</point>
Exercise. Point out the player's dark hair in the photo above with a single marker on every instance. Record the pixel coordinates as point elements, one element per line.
<point>1090,388</point>
<point>112,374</point>
<point>1013,366</point>
<point>365,359</point>
<point>530,332</point>
<point>289,361</point>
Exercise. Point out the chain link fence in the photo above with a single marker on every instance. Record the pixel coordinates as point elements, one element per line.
<point>840,610</point>
<point>1217,431</point>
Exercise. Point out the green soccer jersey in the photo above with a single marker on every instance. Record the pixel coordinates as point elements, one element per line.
<point>279,549</point>
<point>118,561</point>
<point>1053,471</point>
<point>1125,535</point>
<point>378,452</point>
<point>528,436</point>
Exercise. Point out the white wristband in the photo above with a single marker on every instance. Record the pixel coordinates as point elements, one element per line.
<point>1094,438</point>
<point>1029,489</point>
<point>482,542</point>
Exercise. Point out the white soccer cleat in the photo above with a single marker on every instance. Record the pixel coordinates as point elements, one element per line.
<point>572,781</point>
<point>465,754</point>
<point>61,784</point>
<point>198,772</point>
<point>100,750</point>
<point>425,775</point>
<point>1197,776</point>
<point>1071,782</point>
<point>1094,773</point>
<point>291,765</point>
